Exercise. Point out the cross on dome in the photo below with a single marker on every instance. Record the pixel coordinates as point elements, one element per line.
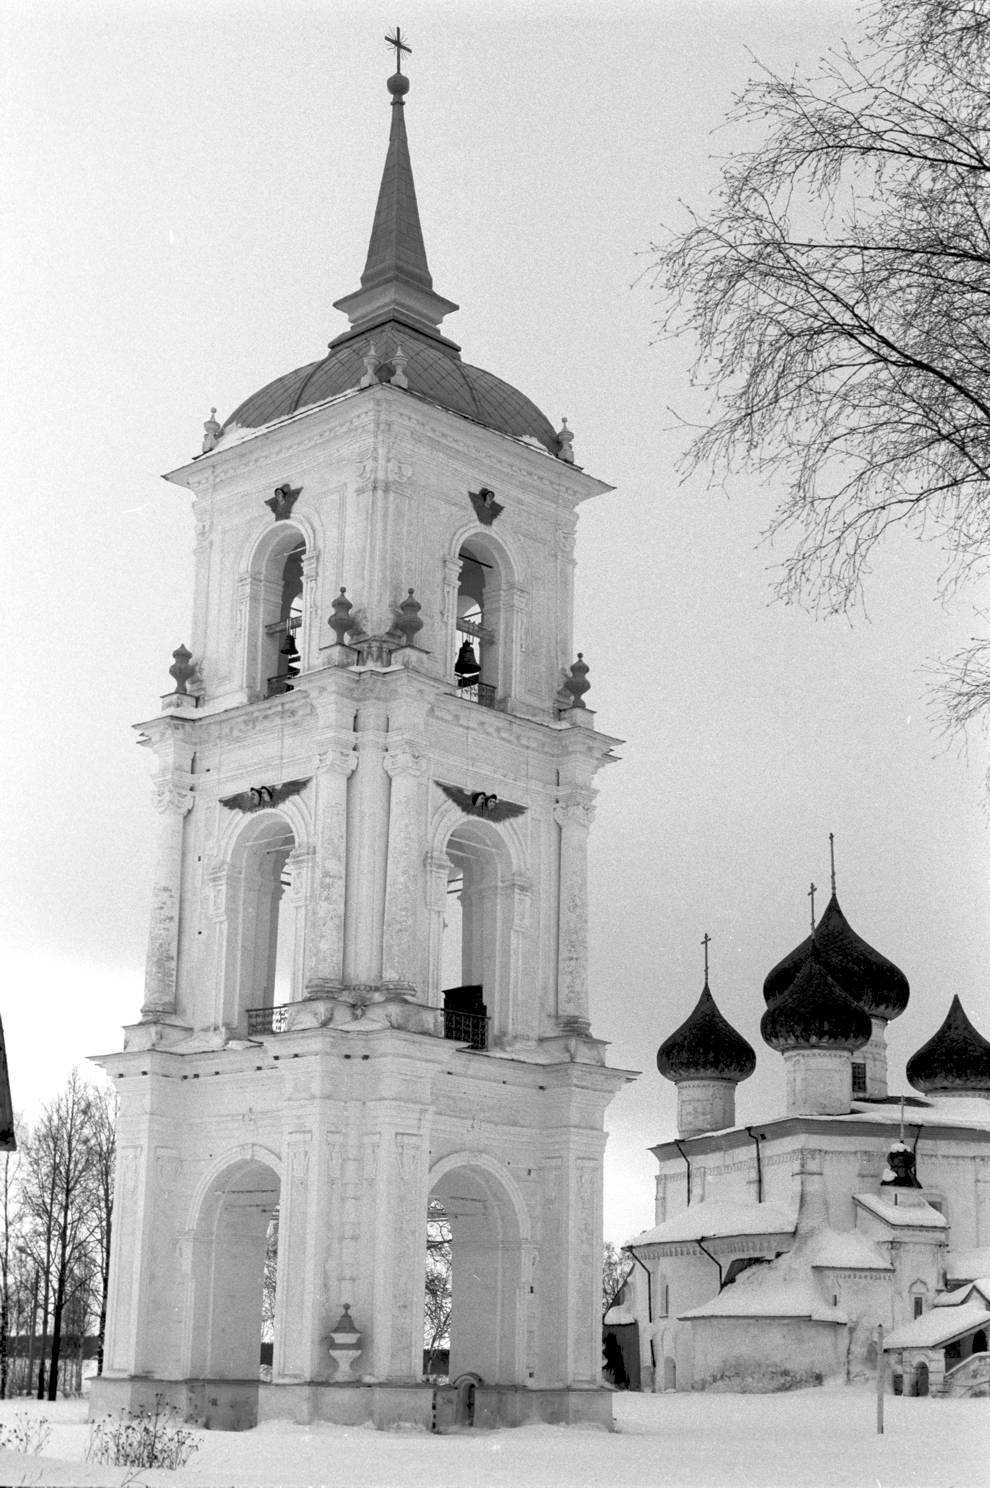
<point>400,47</point>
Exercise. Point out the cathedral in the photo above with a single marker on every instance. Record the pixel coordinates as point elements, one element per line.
<point>366,996</point>
<point>781,1246</point>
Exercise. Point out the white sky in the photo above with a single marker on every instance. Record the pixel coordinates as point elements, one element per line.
<point>189,187</point>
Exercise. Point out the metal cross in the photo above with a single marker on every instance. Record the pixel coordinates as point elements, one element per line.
<point>831,853</point>
<point>706,942</point>
<point>400,47</point>
<point>811,895</point>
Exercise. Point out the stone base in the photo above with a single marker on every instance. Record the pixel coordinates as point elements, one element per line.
<point>238,1405</point>
<point>220,1405</point>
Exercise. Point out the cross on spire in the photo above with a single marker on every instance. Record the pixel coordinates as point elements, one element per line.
<point>831,854</point>
<point>400,47</point>
<point>811,895</point>
<point>706,942</point>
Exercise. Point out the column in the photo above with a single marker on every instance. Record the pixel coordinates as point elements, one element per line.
<point>573,814</point>
<point>437,866</point>
<point>366,850</point>
<point>324,931</point>
<point>173,799</point>
<point>404,888</point>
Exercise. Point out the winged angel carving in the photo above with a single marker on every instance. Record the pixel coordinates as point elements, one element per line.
<point>481,803</point>
<point>263,795</point>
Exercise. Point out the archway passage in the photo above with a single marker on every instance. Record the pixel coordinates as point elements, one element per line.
<point>486,1322</point>
<point>260,972</point>
<point>229,1261</point>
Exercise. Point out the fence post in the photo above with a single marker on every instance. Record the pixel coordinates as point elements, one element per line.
<point>881,1372</point>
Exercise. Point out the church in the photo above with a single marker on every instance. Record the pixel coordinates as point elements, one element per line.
<point>366,999</point>
<point>781,1245</point>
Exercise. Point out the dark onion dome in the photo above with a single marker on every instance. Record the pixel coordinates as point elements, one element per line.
<point>815,1013</point>
<point>955,1061</point>
<point>432,371</point>
<point>875,984</point>
<point>706,1047</point>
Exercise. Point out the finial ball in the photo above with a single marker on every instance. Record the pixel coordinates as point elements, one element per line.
<point>398,84</point>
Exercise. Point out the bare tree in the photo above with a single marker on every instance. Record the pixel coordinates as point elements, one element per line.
<point>437,1310</point>
<point>57,1197</point>
<point>10,1218</point>
<point>839,292</point>
<point>103,1155</point>
<point>615,1269</point>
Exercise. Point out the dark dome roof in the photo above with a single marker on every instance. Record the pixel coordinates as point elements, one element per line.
<point>874,983</point>
<point>955,1061</point>
<point>433,372</point>
<point>815,1013</point>
<point>706,1047</point>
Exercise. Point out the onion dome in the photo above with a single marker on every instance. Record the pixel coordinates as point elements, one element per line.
<point>955,1061</point>
<point>706,1047</point>
<point>872,982</point>
<point>398,307</point>
<point>815,1013</point>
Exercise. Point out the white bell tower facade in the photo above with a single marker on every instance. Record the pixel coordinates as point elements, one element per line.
<point>366,985</point>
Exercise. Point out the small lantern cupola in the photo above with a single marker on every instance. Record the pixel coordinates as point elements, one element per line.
<point>866,977</point>
<point>816,1027</point>
<point>955,1060</point>
<point>706,1059</point>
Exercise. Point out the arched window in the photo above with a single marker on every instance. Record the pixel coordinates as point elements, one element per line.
<point>476,664</point>
<point>273,630</point>
<point>475,952</point>
<point>262,933</point>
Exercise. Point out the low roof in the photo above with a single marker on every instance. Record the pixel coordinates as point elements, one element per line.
<point>764,1292</point>
<point>917,1216</point>
<point>717,1219</point>
<point>967,1265</point>
<point>941,1325</point>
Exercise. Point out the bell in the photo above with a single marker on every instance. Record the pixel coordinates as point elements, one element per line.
<point>291,654</point>
<point>466,666</point>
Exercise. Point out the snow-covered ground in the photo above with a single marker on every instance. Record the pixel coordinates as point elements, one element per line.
<point>823,1438</point>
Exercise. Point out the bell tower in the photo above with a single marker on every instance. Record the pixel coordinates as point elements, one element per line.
<point>366,987</point>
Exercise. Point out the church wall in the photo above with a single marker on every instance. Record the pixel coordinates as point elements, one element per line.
<point>731,1351</point>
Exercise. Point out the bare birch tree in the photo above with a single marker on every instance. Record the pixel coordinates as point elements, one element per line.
<point>839,294</point>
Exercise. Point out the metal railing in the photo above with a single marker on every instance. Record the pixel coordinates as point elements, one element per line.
<point>466,1028</point>
<point>479,692</point>
<point>268,1019</point>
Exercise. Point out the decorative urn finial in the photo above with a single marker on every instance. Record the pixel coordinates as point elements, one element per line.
<point>565,442</point>
<point>182,668</point>
<point>211,432</point>
<point>340,621</point>
<point>577,684</point>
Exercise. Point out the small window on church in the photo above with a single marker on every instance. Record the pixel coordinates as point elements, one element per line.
<point>859,1079</point>
<point>919,1306</point>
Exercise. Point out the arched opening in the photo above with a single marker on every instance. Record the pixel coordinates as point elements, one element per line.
<point>484,1324</point>
<point>921,1382</point>
<point>261,971</point>
<point>474,952</point>
<point>978,1344</point>
<point>669,1373</point>
<point>274,627</point>
<point>476,666</point>
<point>230,1245</point>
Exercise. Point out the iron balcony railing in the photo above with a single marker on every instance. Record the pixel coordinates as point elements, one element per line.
<point>268,1019</point>
<point>466,1028</point>
<point>479,692</point>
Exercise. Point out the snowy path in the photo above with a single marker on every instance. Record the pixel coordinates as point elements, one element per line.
<point>809,1439</point>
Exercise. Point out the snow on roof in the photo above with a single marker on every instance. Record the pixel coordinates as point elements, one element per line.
<point>959,1295</point>
<point>618,1315</point>
<point>940,1325</point>
<point>919,1216</point>
<point>936,1110</point>
<point>714,1218</point>
<point>763,1291</point>
<point>844,1249</point>
<point>967,1265</point>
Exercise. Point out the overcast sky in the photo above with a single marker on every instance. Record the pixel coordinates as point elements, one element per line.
<point>189,188</point>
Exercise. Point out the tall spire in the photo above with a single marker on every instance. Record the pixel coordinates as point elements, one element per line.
<point>396,283</point>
